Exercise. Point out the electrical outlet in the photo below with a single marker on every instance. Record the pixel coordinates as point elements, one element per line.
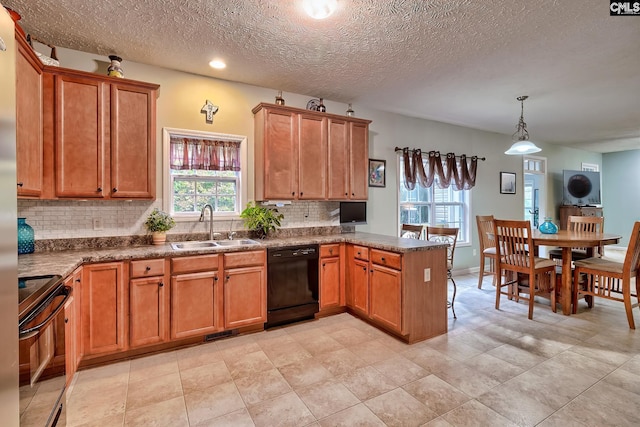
<point>97,224</point>
<point>474,252</point>
<point>427,275</point>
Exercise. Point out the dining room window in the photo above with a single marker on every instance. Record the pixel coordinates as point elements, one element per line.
<point>203,168</point>
<point>434,206</point>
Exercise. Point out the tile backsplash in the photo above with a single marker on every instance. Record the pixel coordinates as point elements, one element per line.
<point>61,219</point>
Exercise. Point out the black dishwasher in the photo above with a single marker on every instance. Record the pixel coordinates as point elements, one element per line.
<point>292,284</point>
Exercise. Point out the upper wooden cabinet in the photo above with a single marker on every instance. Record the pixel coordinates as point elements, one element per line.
<point>83,135</point>
<point>307,155</point>
<point>29,153</point>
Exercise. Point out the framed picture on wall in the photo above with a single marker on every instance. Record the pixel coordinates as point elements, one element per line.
<point>507,183</point>
<point>377,173</point>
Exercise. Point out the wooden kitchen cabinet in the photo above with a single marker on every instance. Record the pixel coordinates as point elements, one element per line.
<point>104,137</point>
<point>331,277</point>
<point>245,289</point>
<point>385,288</point>
<point>29,121</point>
<point>70,339</point>
<point>307,155</point>
<point>196,296</point>
<point>104,309</point>
<point>566,211</point>
<point>148,303</point>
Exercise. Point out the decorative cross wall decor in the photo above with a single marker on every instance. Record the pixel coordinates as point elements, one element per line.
<point>209,109</point>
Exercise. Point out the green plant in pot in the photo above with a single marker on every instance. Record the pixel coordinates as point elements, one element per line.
<point>158,223</point>
<point>260,219</point>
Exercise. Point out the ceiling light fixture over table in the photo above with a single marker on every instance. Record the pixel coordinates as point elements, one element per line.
<point>319,9</point>
<point>521,144</point>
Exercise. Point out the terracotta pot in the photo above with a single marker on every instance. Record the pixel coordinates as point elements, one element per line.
<point>159,237</point>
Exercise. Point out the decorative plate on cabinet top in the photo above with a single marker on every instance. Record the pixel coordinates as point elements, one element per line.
<point>313,104</point>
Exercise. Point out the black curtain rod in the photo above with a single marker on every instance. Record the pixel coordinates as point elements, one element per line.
<point>424,151</point>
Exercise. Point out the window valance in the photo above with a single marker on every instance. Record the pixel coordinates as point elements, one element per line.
<point>204,154</point>
<point>449,169</point>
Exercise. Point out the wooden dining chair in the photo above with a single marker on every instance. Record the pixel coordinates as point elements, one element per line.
<point>412,231</point>
<point>604,278</point>
<point>513,240</point>
<point>448,236</point>
<point>487,248</point>
<point>582,223</point>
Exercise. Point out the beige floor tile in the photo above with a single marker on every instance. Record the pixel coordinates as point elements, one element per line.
<point>327,398</point>
<point>283,411</point>
<point>400,370</point>
<point>617,399</point>
<point>153,390</point>
<point>559,385</point>
<point>467,379</point>
<point>304,373</point>
<point>372,351</point>
<point>37,417</point>
<point>113,421</point>
<point>239,418</point>
<point>274,342</point>
<point>578,362</point>
<point>367,382</point>
<point>474,413</point>
<point>248,364</point>
<point>232,353</point>
<point>633,365</point>
<point>340,361</point>
<point>168,413</point>
<point>438,422</point>
<point>349,336</point>
<point>153,366</point>
<point>262,386</point>
<point>516,356</point>
<point>213,402</point>
<point>399,408</point>
<point>95,404</point>
<point>514,403</point>
<point>196,356</point>
<point>435,394</point>
<point>355,416</point>
<point>493,367</point>
<point>204,377</point>
<point>323,343</point>
<point>584,412</point>
<point>102,377</point>
<point>453,346</point>
<point>287,353</point>
<point>430,359</point>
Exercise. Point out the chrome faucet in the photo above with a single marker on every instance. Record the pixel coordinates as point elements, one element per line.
<point>210,219</point>
<point>231,234</point>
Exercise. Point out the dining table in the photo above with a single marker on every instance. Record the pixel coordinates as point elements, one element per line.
<point>568,240</point>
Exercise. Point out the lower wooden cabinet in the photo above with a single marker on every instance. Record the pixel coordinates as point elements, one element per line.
<point>385,303</point>
<point>70,341</point>
<point>245,291</point>
<point>104,309</point>
<point>149,311</point>
<point>196,304</point>
<point>331,277</point>
<point>360,286</point>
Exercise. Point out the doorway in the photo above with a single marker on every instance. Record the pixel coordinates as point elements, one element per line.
<point>535,179</point>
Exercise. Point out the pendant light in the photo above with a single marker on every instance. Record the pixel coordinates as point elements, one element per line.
<point>521,144</point>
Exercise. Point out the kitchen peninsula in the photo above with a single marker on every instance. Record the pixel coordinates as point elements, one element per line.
<point>123,308</point>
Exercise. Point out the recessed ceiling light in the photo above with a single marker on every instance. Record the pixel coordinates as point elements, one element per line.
<point>319,9</point>
<point>217,64</point>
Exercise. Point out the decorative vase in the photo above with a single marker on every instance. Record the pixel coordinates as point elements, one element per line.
<point>115,69</point>
<point>159,237</point>
<point>548,227</point>
<point>26,243</point>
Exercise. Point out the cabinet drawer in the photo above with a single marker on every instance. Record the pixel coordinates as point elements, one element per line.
<point>190,264</point>
<point>330,250</point>
<point>388,259</point>
<point>361,252</point>
<point>147,268</point>
<point>244,259</point>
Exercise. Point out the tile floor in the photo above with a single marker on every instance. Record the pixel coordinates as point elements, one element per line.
<point>493,368</point>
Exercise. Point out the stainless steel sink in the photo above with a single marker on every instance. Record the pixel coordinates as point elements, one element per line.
<point>183,246</point>
<point>236,242</point>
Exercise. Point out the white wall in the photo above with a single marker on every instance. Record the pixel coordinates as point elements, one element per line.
<point>182,96</point>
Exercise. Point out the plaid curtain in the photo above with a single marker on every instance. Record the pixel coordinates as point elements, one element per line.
<point>204,154</point>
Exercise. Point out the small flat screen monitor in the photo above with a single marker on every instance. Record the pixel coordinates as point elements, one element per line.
<point>581,188</point>
<point>353,213</point>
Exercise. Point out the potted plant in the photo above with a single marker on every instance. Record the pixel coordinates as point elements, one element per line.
<point>158,223</point>
<point>260,219</point>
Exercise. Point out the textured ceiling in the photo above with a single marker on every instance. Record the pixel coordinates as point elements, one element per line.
<point>461,62</point>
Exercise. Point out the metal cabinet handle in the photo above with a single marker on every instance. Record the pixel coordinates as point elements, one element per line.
<point>331,251</point>
<point>215,278</point>
<point>20,184</point>
<point>323,264</point>
<point>382,259</point>
<point>160,284</point>
<point>364,268</point>
<point>99,190</point>
<point>114,190</point>
<point>147,268</point>
<point>66,320</point>
<point>77,280</point>
<point>293,193</point>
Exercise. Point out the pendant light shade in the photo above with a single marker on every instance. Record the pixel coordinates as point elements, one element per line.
<point>521,144</point>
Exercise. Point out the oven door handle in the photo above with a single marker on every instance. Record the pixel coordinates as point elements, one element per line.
<point>30,332</point>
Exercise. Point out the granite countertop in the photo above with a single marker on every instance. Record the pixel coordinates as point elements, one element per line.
<point>65,262</point>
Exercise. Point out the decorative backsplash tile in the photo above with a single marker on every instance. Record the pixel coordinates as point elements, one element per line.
<point>62,219</point>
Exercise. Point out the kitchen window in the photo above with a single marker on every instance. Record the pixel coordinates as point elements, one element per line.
<point>203,168</point>
<point>434,206</point>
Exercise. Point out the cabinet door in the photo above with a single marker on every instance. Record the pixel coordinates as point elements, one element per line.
<point>245,297</point>
<point>148,311</point>
<point>358,161</point>
<point>29,147</point>
<point>103,309</point>
<point>80,137</point>
<point>70,340</point>
<point>280,155</point>
<point>133,154</point>
<point>312,149</point>
<point>386,296</point>
<point>338,159</point>
<point>360,286</point>
<point>330,282</point>
<point>195,304</point>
